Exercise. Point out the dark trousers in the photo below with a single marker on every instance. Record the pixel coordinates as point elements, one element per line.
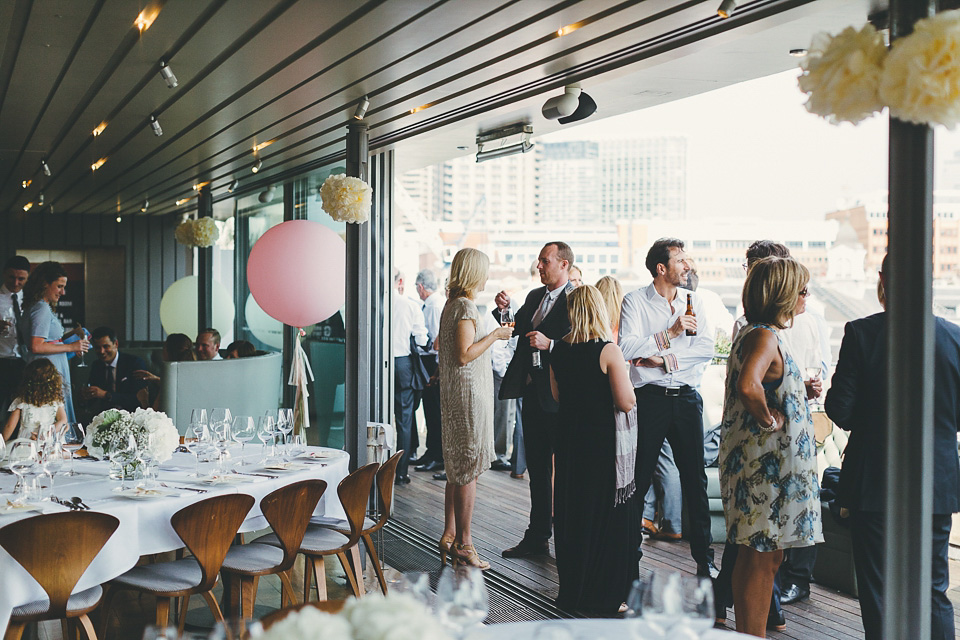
<point>404,401</point>
<point>431,413</point>
<point>539,430</point>
<point>866,530</point>
<point>797,567</point>
<point>11,369</point>
<point>679,419</point>
<point>518,459</point>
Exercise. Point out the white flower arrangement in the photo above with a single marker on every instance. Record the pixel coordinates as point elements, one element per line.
<point>202,232</point>
<point>346,199</point>
<point>111,428</point>
<point>921,77</point>
<point>398,616</point>
<point>851,76</point>
<point>841,75</point>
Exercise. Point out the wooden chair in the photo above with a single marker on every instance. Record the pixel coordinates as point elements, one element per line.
<point>207,528</point>
<point>56,561</point>
<point>328,606</point>
<point>318,542</point>
<point>385,477</point>
<point>288,511</point>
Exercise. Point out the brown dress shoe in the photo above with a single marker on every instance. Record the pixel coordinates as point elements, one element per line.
<point>648,527</point>
<point>665,535</point>
<point>516,476</point>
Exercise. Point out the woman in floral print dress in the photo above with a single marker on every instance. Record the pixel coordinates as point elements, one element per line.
<point>768,466</point>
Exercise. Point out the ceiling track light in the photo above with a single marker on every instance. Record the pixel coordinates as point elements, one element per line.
<point>155,125</point>
<point>523,130</point>
<point>119,219</point>
<point>727,8</point>
<point>268,195</point>
<point>146,205</point>
<point>167,74</point>
<point>40,199</point>
<point>45,168</point>
<point>361,108</point>
<point>26,183</point>
<point>256,165</point>
<point>233,186</point>
<point>572,106</point>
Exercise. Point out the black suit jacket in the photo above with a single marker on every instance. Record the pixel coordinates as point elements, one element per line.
<point>125,397</point>
<point>554,326</point>
<point>857,402</point>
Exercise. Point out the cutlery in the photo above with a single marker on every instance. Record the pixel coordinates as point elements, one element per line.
<point>80,504</point>
<point>168,486</point>
<point>250,473</point>
<point>64,503</point>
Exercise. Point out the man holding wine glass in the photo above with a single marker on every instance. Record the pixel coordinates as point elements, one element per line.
<point>112,384</point>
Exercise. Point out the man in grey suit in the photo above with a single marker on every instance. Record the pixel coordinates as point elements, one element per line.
<point>541,320</point>
<point>856,402</point>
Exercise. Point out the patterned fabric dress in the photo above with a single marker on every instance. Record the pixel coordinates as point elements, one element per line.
<point>768,481</point>
<point>466,398</point>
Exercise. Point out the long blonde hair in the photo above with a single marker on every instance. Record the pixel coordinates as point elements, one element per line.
<point>771,291</point>
<point>468,274</point>
<point>609,287</point>
<point>588,315</point>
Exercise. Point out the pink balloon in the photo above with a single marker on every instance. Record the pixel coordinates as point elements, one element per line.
<point>296,272</point>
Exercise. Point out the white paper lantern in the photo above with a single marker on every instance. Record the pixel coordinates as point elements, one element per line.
<point>178,307</point>
<point>264,328</point>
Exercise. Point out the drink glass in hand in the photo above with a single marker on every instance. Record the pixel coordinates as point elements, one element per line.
<point>9,321</point>
<point>813,374</point>
<point>506,318</point>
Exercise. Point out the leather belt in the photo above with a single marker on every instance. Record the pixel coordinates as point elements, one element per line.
<point>670,392</point>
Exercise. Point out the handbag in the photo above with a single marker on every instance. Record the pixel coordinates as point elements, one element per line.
<point>420,376</point>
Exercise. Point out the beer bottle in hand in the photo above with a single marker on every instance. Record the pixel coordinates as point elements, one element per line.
<point>690,332</point>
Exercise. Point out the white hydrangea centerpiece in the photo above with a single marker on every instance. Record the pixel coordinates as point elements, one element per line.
<point>202,232</point>
<point>841,75</point>
<point>921,76</point>
<point>153,430</point>
<point>346,199</point>
<point>397,616</point>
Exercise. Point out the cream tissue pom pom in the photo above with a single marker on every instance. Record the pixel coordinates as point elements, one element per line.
<point>346,199</point>
<point>921,78</point>
<point>841,74</point>
<point>197,233</point>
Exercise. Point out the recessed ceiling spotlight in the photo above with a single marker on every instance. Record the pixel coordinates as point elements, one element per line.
<point>361,108</point>
<point>233,186</point>
<point>119,219</point>
<point>256,165</point>
<point>167,74</point>
<point>155,125</point>
<point>726,8</point>
<point>45,168</point>
<point>798,53</point>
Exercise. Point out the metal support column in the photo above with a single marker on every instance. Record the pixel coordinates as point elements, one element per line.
<point>357,309</point>
<point>289,394</point>
<point>205,265</point>
<point>910,335</point>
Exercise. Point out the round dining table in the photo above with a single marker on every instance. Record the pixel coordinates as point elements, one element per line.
<point>583,629</point>
<point>145,519</point>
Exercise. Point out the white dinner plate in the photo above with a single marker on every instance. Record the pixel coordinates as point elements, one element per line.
<point>140,493</point>
<point>286,466</point>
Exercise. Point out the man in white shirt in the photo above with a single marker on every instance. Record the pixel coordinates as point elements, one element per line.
<point>433,301</point>
<point>666,371</point>
<point>408,323</point>
<point>15,273</point>
<point>208,344</point>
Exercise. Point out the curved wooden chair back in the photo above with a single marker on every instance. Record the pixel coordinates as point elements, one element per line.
<point>385,477</point>
<point>328,606</point>
<point>207,528</point>
<point>57,548</point>
<point>354,491</point>
<point>288,510</point>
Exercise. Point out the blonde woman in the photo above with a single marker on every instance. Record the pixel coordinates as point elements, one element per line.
<point>597,531</point>
<point>768,465</point>
<point>609,287</point>
<point>466,401</point>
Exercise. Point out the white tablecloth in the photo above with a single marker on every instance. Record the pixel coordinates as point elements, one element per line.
<point>145,523</point>
<point>587,629</point>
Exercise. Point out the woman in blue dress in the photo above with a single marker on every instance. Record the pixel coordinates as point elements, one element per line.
<point>41,333</point>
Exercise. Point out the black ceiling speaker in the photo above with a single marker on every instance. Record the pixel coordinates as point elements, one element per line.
<point>586,108</point>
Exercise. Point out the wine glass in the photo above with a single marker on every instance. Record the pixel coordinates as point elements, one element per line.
<point>662,600</point>
<point>506,317</point>
<point>462,599</point>
<point>813,373</point>
<point>235,629</point>
<point>284,425</point>
<point>10,324</point>
<point>125,454</point>
<point>51,459</point>
<point>219,416</point>
<point>697,603</point>
<point>147,459</point>
<point>221,440</point>
<point>243,431</point>
<point>266,432</point>
<point>199,445</point>
<point>298,446</point>
<point>23,459</point>
<point>198,417</point>
<point>73,437</point>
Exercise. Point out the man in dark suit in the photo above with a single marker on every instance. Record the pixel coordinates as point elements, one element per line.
<point>112,385</point>
<point>857,402</point>
<point>541,320</point>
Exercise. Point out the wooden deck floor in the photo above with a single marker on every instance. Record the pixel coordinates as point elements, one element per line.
<point>501,516</point>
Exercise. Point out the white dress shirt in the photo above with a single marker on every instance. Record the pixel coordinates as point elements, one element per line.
<point>432,310</point>
<point>644,319</point>
<point>501,352</point>
<point>407,321</point>
<point>8,345</point>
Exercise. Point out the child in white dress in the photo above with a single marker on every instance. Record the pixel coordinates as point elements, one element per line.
<point>39,401</point>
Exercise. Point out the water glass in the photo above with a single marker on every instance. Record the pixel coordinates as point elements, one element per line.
<point>51,460</point>
<point>147,464</point>
<point>125,455</point>
<point>22,461</point>
<point>243,431</point>
<point>698,610</point>
<point>221,433</point>
<point>284,425</point>
<point>73,437</point>
<point>266,432</point>
<point>462,599</point>
<point>198,417</point>
<point>298,446</point>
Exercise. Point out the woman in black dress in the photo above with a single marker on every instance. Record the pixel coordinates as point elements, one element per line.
<point>596,538</point>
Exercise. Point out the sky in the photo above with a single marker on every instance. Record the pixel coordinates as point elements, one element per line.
<point>754,150</point>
